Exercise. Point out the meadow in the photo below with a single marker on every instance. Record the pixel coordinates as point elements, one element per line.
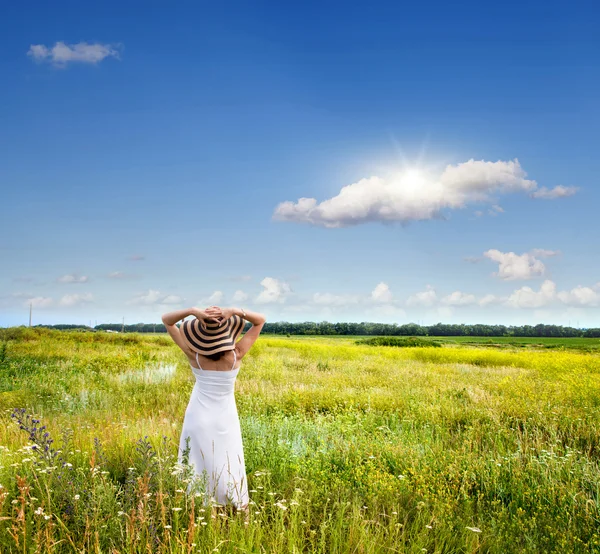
<point>349,447</point>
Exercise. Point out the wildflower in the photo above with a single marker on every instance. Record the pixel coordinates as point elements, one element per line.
<point>395,513</point>
<point>203,523</point>
<point>429,526</point>
<point>167,527</point>
<point>280,505</point>
<point>474,529</point>
<point>303,522</point>
<point>179,490</point>
<point>294,503</point>
<point>15,501</point>
<point>176,509</point>
<point>39,511</point>
<point>253,490</point>
<point>76,497</point>
<point>120,513</point>
<point>47,517</point>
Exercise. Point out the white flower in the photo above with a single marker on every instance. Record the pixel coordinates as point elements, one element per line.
<point>176,509</point>
<point>39,511</point>
<point>167,527</point>
<point>203,523</point>
<point>474,529</point>
<point>120,513</point>
<point>280,505</point>
<point>47,517</point>
<point>76,497</point>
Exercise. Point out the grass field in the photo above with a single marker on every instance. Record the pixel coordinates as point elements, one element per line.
<point>349,448</point>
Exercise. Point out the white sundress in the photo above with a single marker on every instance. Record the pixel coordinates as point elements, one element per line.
<point>215,440</point>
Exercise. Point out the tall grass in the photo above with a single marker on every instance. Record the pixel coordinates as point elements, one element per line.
<point>349,448</point>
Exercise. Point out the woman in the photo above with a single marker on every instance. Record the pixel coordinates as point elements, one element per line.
<point>211,427</point>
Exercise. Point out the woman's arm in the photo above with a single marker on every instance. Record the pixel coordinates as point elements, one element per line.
<point>171,318</point>
<point>253,317</point>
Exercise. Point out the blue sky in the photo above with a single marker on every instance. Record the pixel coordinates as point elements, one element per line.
<point>155,159</point>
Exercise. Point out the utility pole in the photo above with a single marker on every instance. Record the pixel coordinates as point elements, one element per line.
<point>30,310</point>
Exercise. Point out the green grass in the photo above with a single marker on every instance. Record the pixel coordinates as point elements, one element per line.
<point>349,448</point>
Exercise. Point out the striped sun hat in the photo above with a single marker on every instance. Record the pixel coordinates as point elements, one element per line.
<point>210,337</point>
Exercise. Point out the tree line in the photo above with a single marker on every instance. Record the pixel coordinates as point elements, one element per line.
<point>375,329</point>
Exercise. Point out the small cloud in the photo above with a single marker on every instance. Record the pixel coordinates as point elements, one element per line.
<point>489,299</point>
<point>526,297</point>
<point>426,298</point>
<point>559,191</point>
<point>62,54</point>
<point>274,291</point>
<point>239,296</point>
<point>495,210</point>
<point>73,279</point>
<point>473,259</point>
<point>381,293</point>
<point>153,298</point>
<point>71,300</point>
<point>171,299</point>
<point>39,302</point>
<point>137,258</point>
<point>328,299</point>
<point>513,266</point>
<point>580,296</point>
<point>541,253</point>
<point>458,298</point>
<point>215,297</point>
<point>120,275</point>
<point>478,213</point>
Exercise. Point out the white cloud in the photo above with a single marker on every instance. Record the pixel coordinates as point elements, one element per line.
<point>147,298</point>
<point>458,298</point>
<point>239,296</point>
<point>580,296</point>
<point>39,302</point>
<point>526,297</point>
<point>386,310</point>
<point>122,276</point>
<point>273,291</point>
<point>559,191</point>
<point>542,253</point>
<point>71,300</point>
<point>426,298</point>
<point>495,210</point>
<point>514,266</point>
<point>489,299</point>
<point>328,299</point>
<point>73,279</point>
<point>411,195</point>
<point>216,297</point>
<point>137,258</point>
<point>61,54</point>
<point>382,293</point>
<point>171,299</point>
